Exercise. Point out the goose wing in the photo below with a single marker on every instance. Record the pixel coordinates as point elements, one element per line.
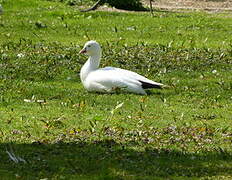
<point>109,78</point>
<point>145,82</point>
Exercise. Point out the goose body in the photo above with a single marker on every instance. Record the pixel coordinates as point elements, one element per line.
<point>110,79</point>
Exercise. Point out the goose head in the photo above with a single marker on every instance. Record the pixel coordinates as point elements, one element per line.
<point>91,48</point>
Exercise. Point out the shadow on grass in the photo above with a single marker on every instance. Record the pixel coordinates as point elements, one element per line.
<point>108,160</point>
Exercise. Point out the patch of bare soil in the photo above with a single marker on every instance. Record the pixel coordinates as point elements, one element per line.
<point>208,5</point>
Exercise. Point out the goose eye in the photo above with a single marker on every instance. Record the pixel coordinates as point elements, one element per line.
<point>89,46</point>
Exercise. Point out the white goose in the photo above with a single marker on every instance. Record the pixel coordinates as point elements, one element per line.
<point>109,79</point>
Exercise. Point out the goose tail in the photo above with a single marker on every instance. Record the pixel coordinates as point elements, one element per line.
<point>148,85</point>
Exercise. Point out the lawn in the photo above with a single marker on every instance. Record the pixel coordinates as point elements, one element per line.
<point>51,128</point>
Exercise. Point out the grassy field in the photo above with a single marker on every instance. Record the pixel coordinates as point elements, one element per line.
<point>51,128</point>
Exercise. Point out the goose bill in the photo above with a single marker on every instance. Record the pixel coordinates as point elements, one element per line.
<point>83,51</point>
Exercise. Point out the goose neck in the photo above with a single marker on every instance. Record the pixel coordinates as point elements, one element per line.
<point>94,61</point>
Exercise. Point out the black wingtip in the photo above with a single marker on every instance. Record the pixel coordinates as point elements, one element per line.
<point>146,85</point>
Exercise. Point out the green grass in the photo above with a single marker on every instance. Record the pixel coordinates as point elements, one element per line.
<point>63,132</point>
<point>49,21</point>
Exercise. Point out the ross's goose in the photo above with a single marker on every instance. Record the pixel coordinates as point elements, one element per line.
<point>109,79</point>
